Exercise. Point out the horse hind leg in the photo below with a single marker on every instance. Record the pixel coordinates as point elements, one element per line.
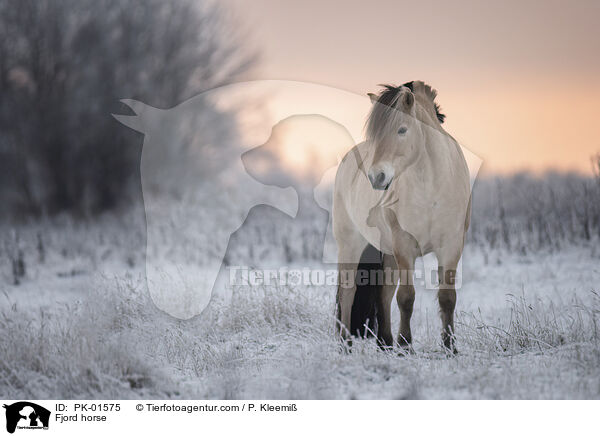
<point>349,251</point>
<point>368,288</point>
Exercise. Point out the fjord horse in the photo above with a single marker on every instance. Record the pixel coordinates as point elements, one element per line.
<point>402,193</point>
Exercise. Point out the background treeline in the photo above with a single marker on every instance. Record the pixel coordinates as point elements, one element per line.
<point>521,213</point>
<point>524,212</point>
<point>64,66</point>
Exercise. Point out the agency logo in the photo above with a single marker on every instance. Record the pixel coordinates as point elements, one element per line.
<point>237,186</point>
<point>26,415</point>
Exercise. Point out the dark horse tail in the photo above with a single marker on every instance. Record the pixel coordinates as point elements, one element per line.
<point>369,284</point>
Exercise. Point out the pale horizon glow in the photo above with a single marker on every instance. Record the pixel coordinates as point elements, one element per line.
<point>517,80</point>
<point>281,99</point>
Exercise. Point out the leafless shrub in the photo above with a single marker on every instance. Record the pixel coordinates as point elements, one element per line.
<point>14,250</point>
<point>524,212</point>
<point>539,326</point>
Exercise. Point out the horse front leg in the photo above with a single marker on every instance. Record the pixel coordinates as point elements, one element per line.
<point>384,301</point>
<point>447,302</point>
<point>405,298</point>
<point>406,250</point>
<point>384,317</point>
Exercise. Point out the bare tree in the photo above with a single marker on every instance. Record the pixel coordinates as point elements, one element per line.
<point>64,64</point>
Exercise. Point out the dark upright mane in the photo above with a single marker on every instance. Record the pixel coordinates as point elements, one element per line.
<point>383,112</point>
<point>432,94</point>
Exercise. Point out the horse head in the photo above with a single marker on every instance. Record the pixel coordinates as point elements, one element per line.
<point>395,131</point>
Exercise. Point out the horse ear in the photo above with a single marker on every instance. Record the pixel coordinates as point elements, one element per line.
<point>373,97</point>
<point>408,99</point>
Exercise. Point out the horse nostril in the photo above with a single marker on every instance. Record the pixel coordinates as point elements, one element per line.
<point>377,178</point>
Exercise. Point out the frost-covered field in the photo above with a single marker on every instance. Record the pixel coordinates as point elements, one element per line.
<point>80,324</point>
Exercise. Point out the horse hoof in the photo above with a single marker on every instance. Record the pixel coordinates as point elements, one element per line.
<point>451,352</point>
<point>406,350</point>
<point>386,348</point>
<point>345,346</point>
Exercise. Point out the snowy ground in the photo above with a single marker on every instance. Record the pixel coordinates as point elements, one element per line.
<point>81,325</point>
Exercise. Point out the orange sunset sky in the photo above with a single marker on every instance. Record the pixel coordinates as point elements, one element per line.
<point>518,80</point>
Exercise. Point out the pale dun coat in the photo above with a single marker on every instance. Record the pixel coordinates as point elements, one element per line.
<point>406,192</point>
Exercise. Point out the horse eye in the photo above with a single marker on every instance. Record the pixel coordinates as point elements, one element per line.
<point>402,130</point>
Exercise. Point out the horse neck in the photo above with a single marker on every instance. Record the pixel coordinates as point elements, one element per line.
<point>439,152</point>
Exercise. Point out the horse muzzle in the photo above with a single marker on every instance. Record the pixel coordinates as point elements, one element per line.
<point>380,178</point>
